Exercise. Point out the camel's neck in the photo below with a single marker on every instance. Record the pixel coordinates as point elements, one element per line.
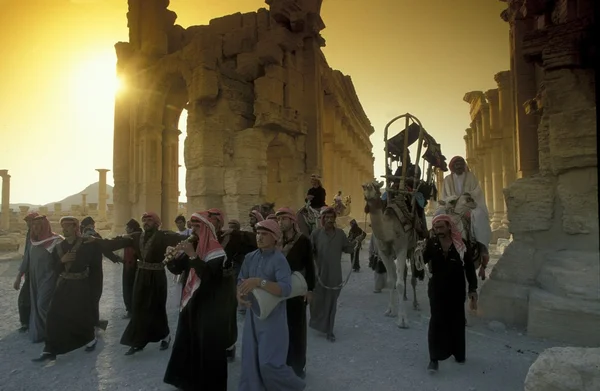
<point>377,219</point>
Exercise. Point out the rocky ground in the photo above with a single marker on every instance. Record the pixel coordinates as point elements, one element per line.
<point>371,353</point>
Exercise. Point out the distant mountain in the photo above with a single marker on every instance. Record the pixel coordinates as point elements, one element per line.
<point>75,199</point>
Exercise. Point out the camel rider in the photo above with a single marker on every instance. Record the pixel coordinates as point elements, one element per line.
<point>420,201</point>
<point>316,195</point>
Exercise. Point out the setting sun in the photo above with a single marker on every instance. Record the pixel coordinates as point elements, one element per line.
<point>94,82</point>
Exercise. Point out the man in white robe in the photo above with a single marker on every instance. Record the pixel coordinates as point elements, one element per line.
<point>460,181</point>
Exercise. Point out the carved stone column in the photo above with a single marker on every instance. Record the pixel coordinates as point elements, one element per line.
<point>102,196</point>
<point>337,169</point>
<point>83,203</point>
<point>150,189</point>
<point>328,166</point>
<point>497,195</point>
<point>524,89</point>
<point>487,185</point>
<point>5,221</point>
<point>507,127</point>
<point>170,176</point>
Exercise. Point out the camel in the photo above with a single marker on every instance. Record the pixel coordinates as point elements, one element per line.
<point>392,242</point>
<point>308,219</point>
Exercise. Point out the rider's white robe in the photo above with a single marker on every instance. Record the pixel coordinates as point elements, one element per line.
<point>456,185</point>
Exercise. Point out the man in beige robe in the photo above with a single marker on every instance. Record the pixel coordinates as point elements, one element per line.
<point>460,181</point>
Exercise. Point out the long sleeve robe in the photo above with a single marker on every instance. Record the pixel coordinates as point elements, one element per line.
<point>71,318</point>
<point>480,218</point>
<point>327,249</point>
<point>236,245</point>
<point>300,258</point>
<point>447,293</point>
<point>265,342</point>
<point>42,267</point>
<point>198,360</point>
<point>149,322</point>
<point>24,300</point>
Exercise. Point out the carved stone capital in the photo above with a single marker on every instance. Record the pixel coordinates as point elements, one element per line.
<point>503,79</point>
<point>492,96</point>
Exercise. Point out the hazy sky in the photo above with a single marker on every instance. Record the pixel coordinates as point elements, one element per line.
<point>57,65</point>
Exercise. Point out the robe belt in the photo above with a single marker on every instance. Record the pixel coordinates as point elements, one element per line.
<point>150,266</point>
<point>75,276</point>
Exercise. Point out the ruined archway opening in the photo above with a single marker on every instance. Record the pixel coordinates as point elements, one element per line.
<point>174,133</point>
<point>282,183</point>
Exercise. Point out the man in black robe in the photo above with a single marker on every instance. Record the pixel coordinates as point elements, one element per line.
<point>356,234</point>
<point>71,318</point>
<point>449,261</point>
<point>24,300</point>
<point>149,322</point>
<point>130,259</point>
<point>199,359</point>
<point>88,228</point>
<point>298,251</point>
<point>316,195</point>
<point>236,245</point>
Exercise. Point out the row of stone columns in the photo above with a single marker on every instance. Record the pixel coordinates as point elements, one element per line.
<point>490,147</point>
<point>347,158</point>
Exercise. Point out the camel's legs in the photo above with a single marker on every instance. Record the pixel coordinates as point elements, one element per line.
<point>413,282</point>
<point>404,279</point>
<point>400,285</point>
<point>392,310</point>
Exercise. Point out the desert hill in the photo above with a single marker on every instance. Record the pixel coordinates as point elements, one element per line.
<point>74,199</point>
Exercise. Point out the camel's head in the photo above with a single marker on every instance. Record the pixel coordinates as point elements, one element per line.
<point>372,190</point>
<point>464,203</point>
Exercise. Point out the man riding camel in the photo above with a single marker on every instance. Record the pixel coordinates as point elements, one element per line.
<point>316,195</point>
<point>460,181</point>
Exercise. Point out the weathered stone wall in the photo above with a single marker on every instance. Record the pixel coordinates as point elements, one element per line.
<point>265,111</point>
<point>547,279</point>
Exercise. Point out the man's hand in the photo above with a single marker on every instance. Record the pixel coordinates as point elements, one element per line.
<point>473,301</point>
<point>248,286</point>
<point>242,301</point>
<point>187,248</point>
<point>308,297</point>
<point>310,197</point>
<point>17,283</point>
<point>68,257</point>
<point>482,272</point>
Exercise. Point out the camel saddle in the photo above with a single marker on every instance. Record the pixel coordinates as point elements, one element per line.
<point>400,209</point>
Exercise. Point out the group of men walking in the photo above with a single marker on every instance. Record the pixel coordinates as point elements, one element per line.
<point>219,269</point>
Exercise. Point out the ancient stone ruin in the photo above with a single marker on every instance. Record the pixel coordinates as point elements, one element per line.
<point>265,111</point>
<point>547,279</point>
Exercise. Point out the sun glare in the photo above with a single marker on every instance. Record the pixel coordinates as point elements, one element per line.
<point>95,79</point>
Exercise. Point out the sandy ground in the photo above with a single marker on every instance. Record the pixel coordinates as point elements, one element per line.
<point>371,353</point>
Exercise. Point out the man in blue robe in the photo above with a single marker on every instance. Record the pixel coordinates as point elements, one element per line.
<point>265,342</point>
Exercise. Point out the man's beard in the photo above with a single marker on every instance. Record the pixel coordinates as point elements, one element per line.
<point>440,235</point>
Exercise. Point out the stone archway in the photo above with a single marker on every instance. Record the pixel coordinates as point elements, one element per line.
<point>282,178</point>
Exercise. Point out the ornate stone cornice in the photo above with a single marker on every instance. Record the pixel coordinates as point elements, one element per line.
<point>477,101</point>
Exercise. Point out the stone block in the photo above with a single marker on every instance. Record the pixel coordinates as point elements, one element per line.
<point>270,115</point>
<point>571,274</point>
<point>204,86</point>
<point>530,204</point>
<point>568,90</point>
<point>263,22</point>
<point>276,72</point>
<point>227,23</point>
<point>269,89</point>
<point>565,369</point>
<point>517,264</point>
<point>287,40</point>
<point>577,191</point>
<point>505,302</point>
<point>203,146</point>
<point>563,320</point>
<point>248,66</point>
<point>572,139</point>
<point>204,181</point>
<point>242,180</point>
<point>269,52</point>
<point>239,41</point>
<point>249,19</point>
